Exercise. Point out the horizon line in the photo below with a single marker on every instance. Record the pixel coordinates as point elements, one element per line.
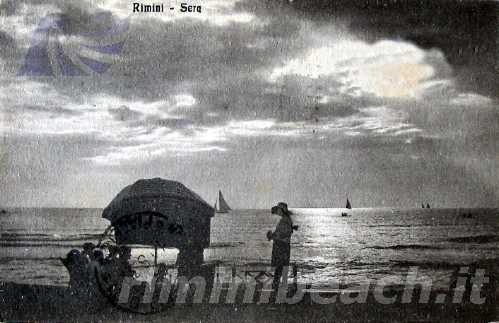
<point>291,207</point>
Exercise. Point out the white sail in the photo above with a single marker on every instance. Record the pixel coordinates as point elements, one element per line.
<point>221,205</point>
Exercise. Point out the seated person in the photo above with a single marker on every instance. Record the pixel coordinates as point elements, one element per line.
<point>125,268</point>
<point>88,251</point>
<point>76,265</point>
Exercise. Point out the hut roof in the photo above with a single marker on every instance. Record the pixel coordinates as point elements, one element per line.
<point>150,194</point>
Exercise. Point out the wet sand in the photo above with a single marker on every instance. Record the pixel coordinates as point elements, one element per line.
<point>49,303</point>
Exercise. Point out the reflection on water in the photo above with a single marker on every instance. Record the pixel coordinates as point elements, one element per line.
<point>370,243</point>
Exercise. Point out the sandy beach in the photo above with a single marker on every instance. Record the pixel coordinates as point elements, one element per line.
<point>38,303</point>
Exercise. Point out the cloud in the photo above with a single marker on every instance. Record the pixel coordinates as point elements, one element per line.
<point>23,20</point>
<point>6,43</point>
<point>159,142</point>
<point>471,100</point>
<point>240,81</point>
<point>124,113</point>
<point>39,108</point>
<point>321,101</point>
<point>387,69</point>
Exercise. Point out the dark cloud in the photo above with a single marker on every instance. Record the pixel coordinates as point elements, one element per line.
<point>162,57</point>
<point>281,29</point>
<point>53,110</point>
<point>6,41</point>
<point>8,7</point>
<point>124,113</point>
<point>172,123</point>
<point>7,45</point>
<point>464,30</point>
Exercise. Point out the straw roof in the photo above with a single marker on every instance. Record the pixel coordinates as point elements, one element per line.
<point>166,197</point>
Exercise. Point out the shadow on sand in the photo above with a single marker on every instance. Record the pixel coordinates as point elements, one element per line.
<point>49,303</point>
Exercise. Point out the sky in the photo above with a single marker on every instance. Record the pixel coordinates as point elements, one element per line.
<point>306,102</point>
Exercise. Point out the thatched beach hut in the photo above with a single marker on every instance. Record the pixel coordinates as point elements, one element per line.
<point>161,213</point>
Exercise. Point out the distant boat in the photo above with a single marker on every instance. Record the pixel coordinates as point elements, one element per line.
<point>221,205</point>
<point>3,211</point>
<point>427,205</point>
<point>422,205</point>
<point>348,206</point>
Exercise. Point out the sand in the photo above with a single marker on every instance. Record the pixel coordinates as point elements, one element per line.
<point>20,302</point>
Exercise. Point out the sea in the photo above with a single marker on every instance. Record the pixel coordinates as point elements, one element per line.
<point>369,244</point>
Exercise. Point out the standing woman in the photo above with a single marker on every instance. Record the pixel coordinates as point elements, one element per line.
<point>281,248</point>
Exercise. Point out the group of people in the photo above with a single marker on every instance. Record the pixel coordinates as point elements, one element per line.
<point>88,266</point>
<point>85,267</point>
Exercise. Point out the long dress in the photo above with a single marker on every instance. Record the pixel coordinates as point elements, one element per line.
<point>281,248</point>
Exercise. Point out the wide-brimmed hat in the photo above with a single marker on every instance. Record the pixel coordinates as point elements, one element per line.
<point>281,205</point>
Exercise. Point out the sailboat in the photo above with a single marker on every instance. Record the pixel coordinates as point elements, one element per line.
<point>348,206</point>
<point>221,205</point>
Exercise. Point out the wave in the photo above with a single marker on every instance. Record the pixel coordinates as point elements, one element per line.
<point>28,239</point>
<point>392,225</point>
<point>403,247</point>
<point>7,234</point>
<point>485,263</point>
<point>357,263</point>
<point>53,243</point>
<point>65,245</point>
<point>225,244</point>
<point>476,239</point>
<point>6,260</point>
<point>426,264</point>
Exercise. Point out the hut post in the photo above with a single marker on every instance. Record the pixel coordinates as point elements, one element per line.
<point>295,277</point>
<point>155,256</point>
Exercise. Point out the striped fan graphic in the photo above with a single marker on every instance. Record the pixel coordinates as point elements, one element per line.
<point>57,51</point>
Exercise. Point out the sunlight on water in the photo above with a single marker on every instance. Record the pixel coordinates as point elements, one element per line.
<point>368,243</point>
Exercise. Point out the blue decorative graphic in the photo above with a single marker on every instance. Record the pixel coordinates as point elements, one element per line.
<point>57,51</point>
